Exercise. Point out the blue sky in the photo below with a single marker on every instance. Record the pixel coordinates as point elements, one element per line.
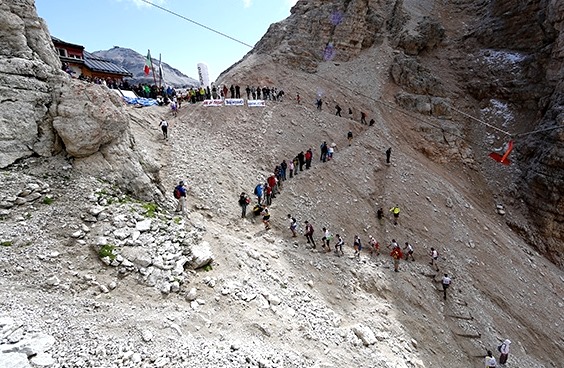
<point>103,24</point>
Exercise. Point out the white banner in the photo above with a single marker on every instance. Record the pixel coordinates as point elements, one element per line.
<point>203,74</point>
<point>256,103</point>
<point>212,103</point>
<point>234,102</point>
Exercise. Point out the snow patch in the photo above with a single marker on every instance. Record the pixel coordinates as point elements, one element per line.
<point>504,57</point>
<point>498,112</point>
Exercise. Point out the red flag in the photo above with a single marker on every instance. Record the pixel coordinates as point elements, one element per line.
<point>503,159</point>
<point>148,63</point>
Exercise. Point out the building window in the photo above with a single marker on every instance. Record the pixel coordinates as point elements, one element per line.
<point>62,52</point>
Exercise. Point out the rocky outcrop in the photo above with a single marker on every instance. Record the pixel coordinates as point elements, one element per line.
<point>412,76</point>
<point>428,34</point>
<point>28,70</point>
<point>318,31</point>
<point>45,112</point>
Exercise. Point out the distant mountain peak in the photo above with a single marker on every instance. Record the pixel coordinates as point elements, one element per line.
<point>134,62</point>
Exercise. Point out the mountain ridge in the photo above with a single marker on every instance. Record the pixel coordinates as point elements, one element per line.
<point>135,62</point>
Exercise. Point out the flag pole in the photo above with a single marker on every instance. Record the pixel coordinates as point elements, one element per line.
<point>160,71</point>
<point>153,69</point>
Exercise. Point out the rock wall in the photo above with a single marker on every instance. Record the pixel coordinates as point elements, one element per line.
<point>320,30</point>
<point>45,112</point>
<point>525,43</point>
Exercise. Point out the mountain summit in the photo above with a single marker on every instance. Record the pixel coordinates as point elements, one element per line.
<point>134,62</point>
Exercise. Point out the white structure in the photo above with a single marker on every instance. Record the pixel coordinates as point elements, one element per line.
<point>203,74</point>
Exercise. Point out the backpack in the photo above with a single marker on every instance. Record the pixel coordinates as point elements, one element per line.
<point>258,189</point>
<point>499,348</point>
<point>177,194</point>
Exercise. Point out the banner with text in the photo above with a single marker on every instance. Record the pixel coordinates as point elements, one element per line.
<point>256,103</point>
<point>234,102</point>
<point>212,103</point>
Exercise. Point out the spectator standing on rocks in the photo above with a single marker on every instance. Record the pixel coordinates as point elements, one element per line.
<point>323,149</point>
<point>409,251</point>
<point>396,212</point>
<point>259,191</point>
<point>244,201</point>
<point>446,283</point>
<point>272,183</point>
<point>388,154</point>
<point>298,98</point>
<point>309,233</point>
<point>164,128</point>
<point>296,162</point>
<point>267,194</point>
<point>338,108</point>
<point>490,360</point>
<point>301,159</point>
<point>396,255</point>
<point>434,258</point>
<point>504,351</point>
<point>308,158</point>
<point>293,225</point>
<point>350,113</point>
<point>350,137</point>
<point>180,195</point>
<point>319,103</point>
<point>291,168</point>
<point>283,170</point>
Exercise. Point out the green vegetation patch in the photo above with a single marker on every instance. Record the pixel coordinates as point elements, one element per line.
<point>7,243</point>
<point>107,251</point>
<point>150,209</point>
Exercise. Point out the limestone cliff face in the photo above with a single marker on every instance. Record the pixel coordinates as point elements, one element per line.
<point>44,112</point>
<point>533,35</point>
<point>320,30</point>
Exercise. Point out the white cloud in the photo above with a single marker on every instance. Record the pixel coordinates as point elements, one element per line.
<point>247,3</point>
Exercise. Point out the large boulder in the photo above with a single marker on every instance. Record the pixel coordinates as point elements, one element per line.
<point>45,112</point>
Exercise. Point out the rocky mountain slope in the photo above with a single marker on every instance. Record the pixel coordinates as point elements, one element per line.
<point>500,62</point>
<point>135,62</point>
<point>100,272</point>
